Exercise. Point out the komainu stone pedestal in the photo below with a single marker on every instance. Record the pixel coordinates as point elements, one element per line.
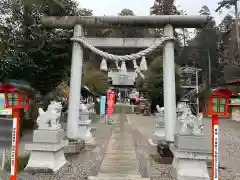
<point>83,126</point>
<point>190,162</point>
<point>47,153</point>
<point>159,135</point>
<point>73,146</point>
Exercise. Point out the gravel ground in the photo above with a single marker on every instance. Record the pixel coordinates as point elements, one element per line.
<point>79,166</point>
<point>229,151</point>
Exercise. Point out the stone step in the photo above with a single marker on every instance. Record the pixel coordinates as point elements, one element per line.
<point>120,158</point>
<point>120,140</point>
<point>116,176</point>
<point>119,170</point>
<point>119,161</point>
<point>127,149</point>
<point>119,175</point>
<point>123,144</point>
<point>119,145</point>
<point>73,148</point>
<point>116,141</point>
<point>120,166</point>
<point>120,152</point>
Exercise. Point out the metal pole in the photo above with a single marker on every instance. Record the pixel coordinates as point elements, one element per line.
<point>3,158</point>
<point>75,86</point>
<point>237,26</point>
<point>209,68</point>
<point>197,89</point>
<point>169,85</point>
<point>184,37</point>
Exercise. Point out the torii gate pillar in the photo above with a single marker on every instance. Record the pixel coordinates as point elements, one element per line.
<point>75,86</point>
<point>169,85</point>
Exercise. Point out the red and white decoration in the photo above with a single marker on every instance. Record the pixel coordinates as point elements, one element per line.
<point>110,103</point>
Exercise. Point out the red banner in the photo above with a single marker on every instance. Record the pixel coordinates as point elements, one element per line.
<point>137,99</point>
<point>110,103</point>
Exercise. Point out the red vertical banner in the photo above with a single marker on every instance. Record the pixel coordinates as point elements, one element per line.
<point>137,99</point>
<point>110,103</point>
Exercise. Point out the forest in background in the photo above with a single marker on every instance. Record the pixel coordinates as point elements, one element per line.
<point>42,56</point>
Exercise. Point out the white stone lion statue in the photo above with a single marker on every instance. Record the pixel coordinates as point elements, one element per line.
<point>50,118</point>
<point>188,122</point>
<point>83,107</point>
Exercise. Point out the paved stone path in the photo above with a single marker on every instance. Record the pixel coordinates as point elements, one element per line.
<point>120,161</point>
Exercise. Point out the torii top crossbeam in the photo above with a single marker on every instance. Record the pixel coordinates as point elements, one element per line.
<point>178,21</point>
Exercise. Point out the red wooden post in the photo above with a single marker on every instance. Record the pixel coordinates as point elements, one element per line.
<point>15,144</point>
<point>215,142</point>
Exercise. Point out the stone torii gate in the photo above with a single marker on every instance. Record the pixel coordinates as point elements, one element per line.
<point>168,22</point>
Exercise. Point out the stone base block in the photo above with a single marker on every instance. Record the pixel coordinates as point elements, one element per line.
<point>84,133</point>
<point>48,136</point>
<point>44,161</point>
<point>164,151</point>
<point>74,147</point>
<point>159,134</point>
<point>160,125</point>
<point>110,121</point>
<point>190,154</point>
<point>45,146</point>
<point>84,122</point>
<point>201,142</point>
<point>185,169</point>
<point>190,165</point>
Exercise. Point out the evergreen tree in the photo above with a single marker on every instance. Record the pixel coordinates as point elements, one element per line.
<point>32,52</point>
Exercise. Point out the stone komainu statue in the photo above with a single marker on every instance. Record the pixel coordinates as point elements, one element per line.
<point>50,118</point>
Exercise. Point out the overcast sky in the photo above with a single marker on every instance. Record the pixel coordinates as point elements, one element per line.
<point>142,7</point>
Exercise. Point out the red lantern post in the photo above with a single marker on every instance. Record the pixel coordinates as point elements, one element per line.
<point>217,105</point>
<point>15,99</point>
